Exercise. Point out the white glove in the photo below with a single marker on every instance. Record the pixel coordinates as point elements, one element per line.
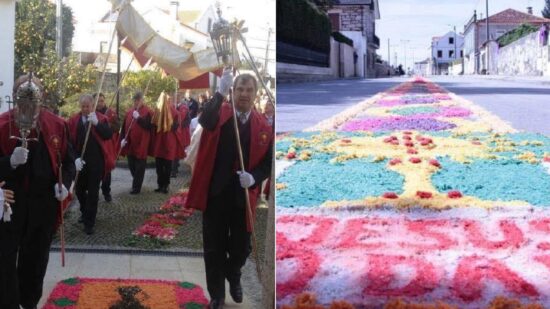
<point>19,156</point>
<point>135,114</point>
<point>60,194</point>
<point>225,82</point>
<point>92,117</point>
<point>123,143</point>
<point>247,180</point>
<point>79,164</point>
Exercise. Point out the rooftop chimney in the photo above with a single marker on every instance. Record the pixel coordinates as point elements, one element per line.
<point>174,8</point>
<point>530,10</point>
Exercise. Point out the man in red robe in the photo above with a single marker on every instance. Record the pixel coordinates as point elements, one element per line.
<point>114,122</point>
<point>136,133</point>
<point>217,183</point>
<point>33,174</point>
<point>164,143</point>
<point>183,135</point>
<point>96,162</point>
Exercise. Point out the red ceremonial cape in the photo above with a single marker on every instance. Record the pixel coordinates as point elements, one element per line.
<point>106,145</point>
<point>260,138</point>
<point>183,134</point>
<point>112,117</point>
<point>164,144</point>
<point>53,130</point>
<point>137,137</point>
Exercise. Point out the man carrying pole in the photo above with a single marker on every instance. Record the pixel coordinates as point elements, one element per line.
<point>136,133</point>
<point>96,162</point>
<point>114,122</point>
<point>219,188</point>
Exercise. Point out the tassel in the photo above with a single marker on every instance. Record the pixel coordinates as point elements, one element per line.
<point>7,213</point>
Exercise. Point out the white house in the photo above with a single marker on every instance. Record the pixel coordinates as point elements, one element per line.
<point>475,33</point>
<point>356,19</point>
<point>7,50</point>
<point>445,50</point>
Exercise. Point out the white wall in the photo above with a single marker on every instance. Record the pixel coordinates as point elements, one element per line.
<point>360,47</point>
<point>7,56</point>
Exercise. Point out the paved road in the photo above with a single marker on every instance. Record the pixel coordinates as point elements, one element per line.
<point>303,105</point>
<point>525,104</point>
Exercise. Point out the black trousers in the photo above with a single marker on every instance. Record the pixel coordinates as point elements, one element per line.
<point>24,250</point>
<point>106,185</point>
<point>164,168</point>
<point>175,166</point>
<point>226,241</point>
<point>87,192</point>
<point>137,169</point>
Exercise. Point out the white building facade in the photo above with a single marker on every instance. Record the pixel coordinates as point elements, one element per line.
<point>445,50</point>
<point>356,19</point>
<point>7,50</point>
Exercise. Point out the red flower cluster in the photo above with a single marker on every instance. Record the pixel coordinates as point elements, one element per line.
<point>291,155</point>
<point>163,224</point>
<point>454,194</point>
<point>392,140</point>
<point>395,161</point>
<point>435,163</point>
<point>390,195</point>
<point>424,194</point>
<point>415,160</point>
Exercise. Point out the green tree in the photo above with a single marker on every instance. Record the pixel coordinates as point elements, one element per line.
<point>546,10</point>
<point>138,81</point>
<point>35,32</point>
<point>35,51</point>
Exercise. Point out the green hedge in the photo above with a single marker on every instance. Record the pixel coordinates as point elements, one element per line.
<point>516,34</point>
<point>301,23</point>
<point>339,37</point>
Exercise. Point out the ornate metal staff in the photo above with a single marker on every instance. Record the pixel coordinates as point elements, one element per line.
<point>224,37</point>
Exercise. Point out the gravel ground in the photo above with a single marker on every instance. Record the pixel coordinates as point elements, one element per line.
<point>118,219</point>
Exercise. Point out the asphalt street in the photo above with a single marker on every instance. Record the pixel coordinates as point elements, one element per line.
<point>524,103</point>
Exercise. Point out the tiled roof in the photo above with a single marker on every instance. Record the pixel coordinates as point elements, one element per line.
<point>511,16</point>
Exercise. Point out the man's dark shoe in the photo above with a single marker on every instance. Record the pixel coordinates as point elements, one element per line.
<point>158,190</point>
<point>236,291</point>
<point>89,230</point>
<point>108,198</point>
<point>216,303</point>
<point>134,192</point>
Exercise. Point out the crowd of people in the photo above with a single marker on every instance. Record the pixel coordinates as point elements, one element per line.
<point>41,164</point>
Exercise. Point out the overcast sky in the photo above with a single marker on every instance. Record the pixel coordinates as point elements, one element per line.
<point>420,20</point>
<point>259,15</point>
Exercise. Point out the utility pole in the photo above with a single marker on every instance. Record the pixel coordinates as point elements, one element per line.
<point>405,46</point>
<point>267,52</point>
<point>59,28</point>
<point>389,59</point>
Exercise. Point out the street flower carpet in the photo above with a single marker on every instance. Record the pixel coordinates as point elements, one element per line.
<point>124,294</point>
<point>415,198</point>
